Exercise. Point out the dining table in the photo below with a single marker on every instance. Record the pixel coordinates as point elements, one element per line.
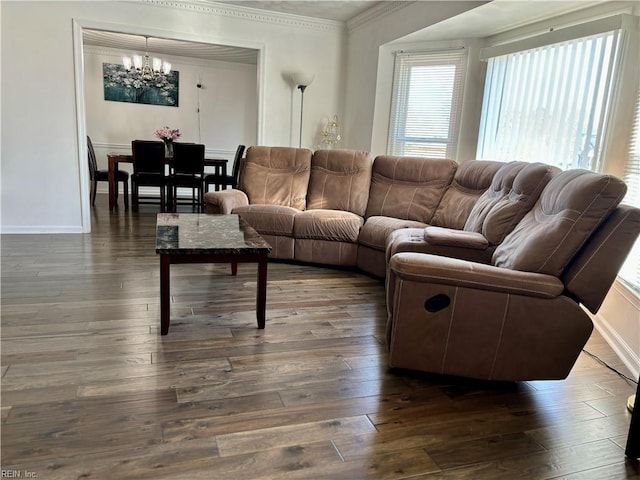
<point>219,165</point>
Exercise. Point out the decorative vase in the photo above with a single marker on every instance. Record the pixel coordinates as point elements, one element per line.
<point>168,148</point>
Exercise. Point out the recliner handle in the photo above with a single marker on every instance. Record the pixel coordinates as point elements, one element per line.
<point>437,303</point>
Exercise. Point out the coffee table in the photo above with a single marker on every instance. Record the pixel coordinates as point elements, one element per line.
<point>202,238</point>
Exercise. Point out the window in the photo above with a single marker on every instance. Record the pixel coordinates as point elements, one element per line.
<point>549,103</point>
<point>427,100</point>
<point>630,271</point>
<point>547,98</point>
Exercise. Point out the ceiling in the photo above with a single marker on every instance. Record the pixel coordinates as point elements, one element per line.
<point>497,16</point>
<point>493,17</point>
<point>342,10</point>
<point>329,10</point>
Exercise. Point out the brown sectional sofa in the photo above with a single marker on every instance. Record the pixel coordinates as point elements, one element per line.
<point>414,192</point>
<point>309,206</point>
<point>486,263</point>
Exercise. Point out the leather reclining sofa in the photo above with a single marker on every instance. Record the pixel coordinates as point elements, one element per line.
<point>489,266</point>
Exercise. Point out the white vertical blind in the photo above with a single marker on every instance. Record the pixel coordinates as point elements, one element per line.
<point>550,103</point>
<point>427,101</point>
<point>630,271</point>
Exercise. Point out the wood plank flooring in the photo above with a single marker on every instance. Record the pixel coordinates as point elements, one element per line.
<point>90,390</point>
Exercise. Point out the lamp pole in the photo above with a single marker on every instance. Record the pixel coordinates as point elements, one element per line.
<point>302,89</point>
<point>301,81</point>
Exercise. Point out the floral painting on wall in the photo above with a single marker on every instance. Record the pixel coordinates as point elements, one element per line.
<point>131,86</point>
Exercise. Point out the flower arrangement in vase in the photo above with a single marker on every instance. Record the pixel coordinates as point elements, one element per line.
<point>168,135</point>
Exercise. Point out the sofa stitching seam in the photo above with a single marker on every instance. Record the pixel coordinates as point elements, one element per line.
<point>504,319</point>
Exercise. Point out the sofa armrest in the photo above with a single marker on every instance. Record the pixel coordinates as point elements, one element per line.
<point>455,317</point>
<point>455,238</point>
<point>451,271</point>
<point>224,201</point>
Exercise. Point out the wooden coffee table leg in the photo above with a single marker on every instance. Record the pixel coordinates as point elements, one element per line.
<point>165,308</point>
<point>261,297</point>
<point>234,268</point>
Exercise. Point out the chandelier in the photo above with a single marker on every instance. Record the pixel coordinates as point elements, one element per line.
<point>146,67</point>
<point>330,136</point>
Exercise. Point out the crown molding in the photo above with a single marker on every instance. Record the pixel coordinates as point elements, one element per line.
<point>250,14</point>
<point>175,59</point>
<point>375,13</point>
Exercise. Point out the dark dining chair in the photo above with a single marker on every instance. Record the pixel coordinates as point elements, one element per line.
<point>226,180</point>
<point>96,176</point>
<point>148,171</point>
<point>187,171</point>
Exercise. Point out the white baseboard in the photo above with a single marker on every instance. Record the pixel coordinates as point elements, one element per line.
<point>33,229</point>
<point>144,191</point>
<point>626,354</point>
<point>613,337</point>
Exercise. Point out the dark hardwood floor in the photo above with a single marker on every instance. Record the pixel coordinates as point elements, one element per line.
<point>90,390</point>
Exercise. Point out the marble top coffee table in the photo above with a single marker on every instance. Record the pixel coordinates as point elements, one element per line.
<point>201,238</point>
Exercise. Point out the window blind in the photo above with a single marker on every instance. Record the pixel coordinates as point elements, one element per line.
<point>630,271</point>
<point>427,102</point>
<point>622,21</point>
<point>550,103</point>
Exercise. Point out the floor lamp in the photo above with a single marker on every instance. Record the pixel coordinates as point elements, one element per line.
<point>302,80</point>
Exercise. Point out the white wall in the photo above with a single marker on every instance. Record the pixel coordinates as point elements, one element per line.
<point>228,108</point>
<point>618,320</point>
<point>43,184</point>
<point>395,21</point>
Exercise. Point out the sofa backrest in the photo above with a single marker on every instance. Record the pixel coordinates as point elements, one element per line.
<point>408,188</point>
<point>593,270</point>
<point>340,180</point>
<point>513,192</point>
<point>470,181</point>
<point>276,176</point>
<point>571,207</point>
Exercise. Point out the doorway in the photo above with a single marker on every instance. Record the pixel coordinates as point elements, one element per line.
<point>212,77</point>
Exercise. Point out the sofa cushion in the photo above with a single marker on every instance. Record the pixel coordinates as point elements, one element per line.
<point>419,240</point>
<point>447,237</point>
<point>269,219</point>
<point>281,247</point>
<point>326,252</point>
<point>276,176</point>
<point>470,181</point>
<point>376,229</point>
<point>570,208</point>
<point>340,180</point>
<point>331,225</point>
<point>514,190</point>
<point>500,187</point>
<point>409,188</point>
